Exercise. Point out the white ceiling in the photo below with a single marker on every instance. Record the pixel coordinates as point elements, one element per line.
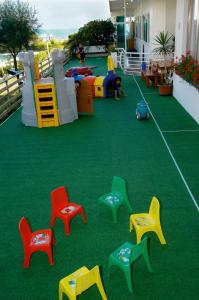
<point>117,7</point>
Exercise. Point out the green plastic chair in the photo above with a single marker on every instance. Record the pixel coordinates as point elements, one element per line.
<point>116,198</point>
<point>125,255</point>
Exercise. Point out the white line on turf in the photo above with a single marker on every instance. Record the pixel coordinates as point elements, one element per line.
<point>178,131</point>
<point>168,148</point>
<point>154,93</point>
<point>10,116</point>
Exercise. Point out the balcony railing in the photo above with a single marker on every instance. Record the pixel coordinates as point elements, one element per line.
<point>130,62</point>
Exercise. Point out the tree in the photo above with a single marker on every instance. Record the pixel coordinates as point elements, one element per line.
<point>18,25</point>
<point>97,32</point>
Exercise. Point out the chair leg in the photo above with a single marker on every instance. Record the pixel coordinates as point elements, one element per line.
<point>128,279</point>
<point>131,225</point>
<point>139,235</point>
<point>115,212</point>
<point>83,215</point>
<point>109,269</point>
<point>50,256</point>
<point>129,206</point>
<point>67,227</point>
<point>52,220</point>
<point>147,261</point>
<point>27,256</point>
<point>60,294</point>
<point>160,235</point>
<point>53,240</point>
<point>101,289</point>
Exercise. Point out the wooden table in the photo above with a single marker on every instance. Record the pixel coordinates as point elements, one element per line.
<point>154,77</point>
<point>157,76</point>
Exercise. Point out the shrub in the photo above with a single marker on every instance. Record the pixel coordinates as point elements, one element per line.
<point>188,68</point>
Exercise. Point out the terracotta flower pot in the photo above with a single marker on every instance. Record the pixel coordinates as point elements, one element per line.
<point>165,89</point>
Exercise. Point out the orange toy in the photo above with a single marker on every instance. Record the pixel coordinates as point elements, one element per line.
<point>63,209</point>
<point>91,81</point>
<point>84,98</point>
<point>40,240</point>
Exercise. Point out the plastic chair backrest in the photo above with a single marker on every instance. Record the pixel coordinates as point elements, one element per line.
<point>154,210</point>
<point>119,186</point>
<point>59,198</point>
<point>25,231</point>
<point>87,280</point>
<point>138,249</point>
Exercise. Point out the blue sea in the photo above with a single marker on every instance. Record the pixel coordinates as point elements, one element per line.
<point>59,34</point>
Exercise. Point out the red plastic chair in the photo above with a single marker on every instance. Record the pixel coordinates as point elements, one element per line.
<point>40,240</point>
<point>63,209</point>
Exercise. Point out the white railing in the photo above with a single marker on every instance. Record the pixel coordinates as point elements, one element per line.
<point>10,94</point>
<point>130,62</point>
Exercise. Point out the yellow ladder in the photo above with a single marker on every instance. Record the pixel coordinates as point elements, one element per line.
<point>45,97</point>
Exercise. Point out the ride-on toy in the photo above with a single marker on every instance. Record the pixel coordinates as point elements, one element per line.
<point>142,111</point>
<point>80,71</point>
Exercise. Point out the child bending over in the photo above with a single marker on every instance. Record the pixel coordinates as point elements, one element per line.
<point>117,87</point>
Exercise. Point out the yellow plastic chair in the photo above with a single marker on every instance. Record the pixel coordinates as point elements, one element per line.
<point>79,281</point>
<point>146,222</point>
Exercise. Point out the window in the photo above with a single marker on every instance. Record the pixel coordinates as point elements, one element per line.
<point>142,27</point>
<point>145,27</point>
<point>138,27</point>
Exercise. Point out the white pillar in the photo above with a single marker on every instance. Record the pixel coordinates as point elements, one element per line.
<point>181,27</point>
<point>125,47</point>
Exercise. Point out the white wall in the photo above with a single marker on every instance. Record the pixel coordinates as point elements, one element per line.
<point>187,96</point>
<point>185,93</point>
<point>162,18</point>
<point>170,16</point>
<point>181,27</point>
<point>158,19</point>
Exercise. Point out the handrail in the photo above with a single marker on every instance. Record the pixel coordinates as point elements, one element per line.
<point>130,62</point>
<point>10,77</point>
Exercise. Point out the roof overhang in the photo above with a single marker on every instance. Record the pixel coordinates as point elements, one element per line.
<point>117,7</point>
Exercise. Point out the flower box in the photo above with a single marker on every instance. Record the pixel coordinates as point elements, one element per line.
<point>187,95</point>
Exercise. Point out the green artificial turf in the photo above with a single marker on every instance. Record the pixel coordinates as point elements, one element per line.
<point>84,156</point>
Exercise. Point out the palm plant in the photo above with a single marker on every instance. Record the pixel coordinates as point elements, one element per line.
<point>164,41</point>
<point>165,46</point>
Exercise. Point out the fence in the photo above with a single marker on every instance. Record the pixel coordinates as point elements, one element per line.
<point>10,89</point>
<point>130,62</point>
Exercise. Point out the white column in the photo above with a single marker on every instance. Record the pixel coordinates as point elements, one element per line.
<point>181,27</point>
<point>125,47</point>
<point>142,38</point>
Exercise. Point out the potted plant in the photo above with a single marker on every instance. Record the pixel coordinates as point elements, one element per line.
<point>165,46</point>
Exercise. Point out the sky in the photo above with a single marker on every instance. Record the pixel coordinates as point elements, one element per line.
<point>64,14</point>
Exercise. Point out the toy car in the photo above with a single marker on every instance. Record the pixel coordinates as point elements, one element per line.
<point>142,111</point>
<point>80,71</point>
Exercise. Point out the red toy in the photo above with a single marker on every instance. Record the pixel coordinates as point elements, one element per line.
<point>63,209</point>
<point>80,71</point>
<point>40,240</point>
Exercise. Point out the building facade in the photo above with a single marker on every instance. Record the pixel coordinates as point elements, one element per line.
<point>144,19</point>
